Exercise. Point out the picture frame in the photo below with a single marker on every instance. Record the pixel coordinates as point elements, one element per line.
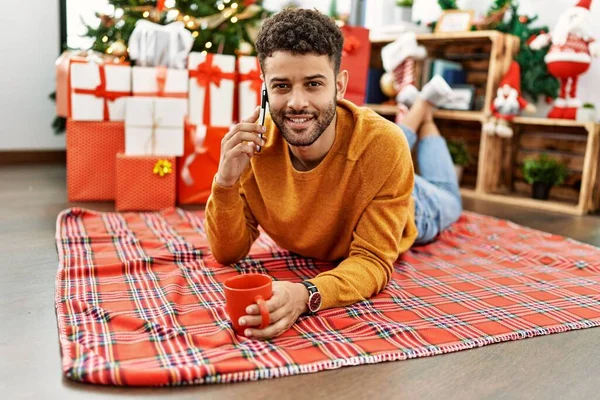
<point>463,98</point>
<point>455,21</point>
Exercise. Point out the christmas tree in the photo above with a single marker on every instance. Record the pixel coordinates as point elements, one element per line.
<point>503,16</point>
<point>217,26</point>
<point>222,26</point>
<point>535,79</point>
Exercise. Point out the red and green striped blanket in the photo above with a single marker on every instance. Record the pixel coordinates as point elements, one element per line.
<point>139,300</point>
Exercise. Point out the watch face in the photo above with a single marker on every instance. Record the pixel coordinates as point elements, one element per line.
<point>314,302</point>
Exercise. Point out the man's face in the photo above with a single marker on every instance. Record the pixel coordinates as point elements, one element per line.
<point>303,90</point>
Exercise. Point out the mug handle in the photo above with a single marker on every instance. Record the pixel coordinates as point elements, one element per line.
<point>264,312</point>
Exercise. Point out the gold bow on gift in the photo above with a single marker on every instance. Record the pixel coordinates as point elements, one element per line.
<point>162,168</point>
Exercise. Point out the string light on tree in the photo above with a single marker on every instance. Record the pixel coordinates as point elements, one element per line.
<point>229,25</point>
<point>118,48</point>
<point>245,49</point>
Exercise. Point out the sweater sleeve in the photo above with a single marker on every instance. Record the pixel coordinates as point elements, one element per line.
<point>376,243</point>
<point>230,226</point>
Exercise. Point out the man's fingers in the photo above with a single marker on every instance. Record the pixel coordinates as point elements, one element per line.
<point>254,116</point>
<point>256,320</point>
<point>248,127</point>
<point>273,304</point>
<point>242,148</point>
<point>271,331</point>
<point>242,137</point>
<point>245,126</point>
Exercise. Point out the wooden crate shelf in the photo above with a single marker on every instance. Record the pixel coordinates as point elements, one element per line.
<point>391,110</point>
<point>485,56</point>
<point>496,173</point>
<point>575,144</point>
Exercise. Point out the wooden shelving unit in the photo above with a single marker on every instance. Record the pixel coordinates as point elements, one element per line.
<point>496,175</point>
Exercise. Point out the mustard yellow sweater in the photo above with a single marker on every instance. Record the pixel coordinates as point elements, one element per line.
<point>354,207</point>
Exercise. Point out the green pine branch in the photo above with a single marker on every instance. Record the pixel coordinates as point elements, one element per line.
<point>535,79</point>
<point>448,4</point>
<point>499,5</point>
<point>225,38</point>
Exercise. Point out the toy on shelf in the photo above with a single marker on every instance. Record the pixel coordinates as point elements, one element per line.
<point>398,60</point>
<point>570,55</point>
<point>507,104</point>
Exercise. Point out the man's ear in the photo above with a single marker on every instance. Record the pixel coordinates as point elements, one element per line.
<point>341,83</point>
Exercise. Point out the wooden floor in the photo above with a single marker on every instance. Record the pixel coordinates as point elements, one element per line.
<point>557,366</point>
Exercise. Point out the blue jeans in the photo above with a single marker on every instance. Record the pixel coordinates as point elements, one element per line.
<point>436,193</point>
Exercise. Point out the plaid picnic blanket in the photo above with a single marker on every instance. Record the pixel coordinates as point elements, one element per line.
<point>139,300</point>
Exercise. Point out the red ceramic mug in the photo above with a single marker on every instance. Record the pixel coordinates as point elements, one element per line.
<point>244,290</point>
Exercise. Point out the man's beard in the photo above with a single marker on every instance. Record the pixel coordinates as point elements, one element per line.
<point>320,121</point>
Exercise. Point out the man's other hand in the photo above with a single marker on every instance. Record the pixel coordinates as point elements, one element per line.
<point>285,306</point>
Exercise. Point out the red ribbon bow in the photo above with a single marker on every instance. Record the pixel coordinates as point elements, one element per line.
<point>161,81</point>
<point>100,91</point>
<point>256,82</point>
<point>205,74</point>
<point>351,44</point>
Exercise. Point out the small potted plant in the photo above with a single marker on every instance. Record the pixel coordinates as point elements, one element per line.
<point>587,113</point>
<point>404,10</point>
<point>542,174</point>
<point>460,156</point>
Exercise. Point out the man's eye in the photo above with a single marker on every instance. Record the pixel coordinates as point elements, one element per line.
<point>314,84</point>
<point>281,86</point>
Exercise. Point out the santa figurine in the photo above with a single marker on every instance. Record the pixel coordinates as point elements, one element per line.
<point>570,55</point>
<point>507,104</point>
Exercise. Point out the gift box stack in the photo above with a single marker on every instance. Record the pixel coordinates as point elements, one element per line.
<point>148,136</point>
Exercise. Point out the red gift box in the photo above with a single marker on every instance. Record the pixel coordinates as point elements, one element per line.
<point>356,56</point>
<point>145,183</point>
<point>91,151</point>
<point>199,164</point>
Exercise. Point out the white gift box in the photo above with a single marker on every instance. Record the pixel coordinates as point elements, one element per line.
<point>250,85</point>
<point>152,45</point>
<point>220,76</point>
<point>154,126</point>
<point>95,87</point>
<point>147,81</point>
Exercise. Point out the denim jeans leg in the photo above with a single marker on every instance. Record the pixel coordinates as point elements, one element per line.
<point>438,203</point>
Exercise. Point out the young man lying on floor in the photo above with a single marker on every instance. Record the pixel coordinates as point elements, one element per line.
<point>333,181</point>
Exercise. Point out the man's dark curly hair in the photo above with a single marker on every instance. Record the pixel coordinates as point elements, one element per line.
<point>300,31</point>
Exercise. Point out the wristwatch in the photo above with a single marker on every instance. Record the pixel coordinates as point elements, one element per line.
<point>314,297</point>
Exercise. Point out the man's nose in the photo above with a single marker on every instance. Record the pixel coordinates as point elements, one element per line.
<point>297,100</point>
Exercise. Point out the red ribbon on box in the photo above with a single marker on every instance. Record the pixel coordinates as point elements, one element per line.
<point>356,54</point>
<point>256,82</point>
<point>205,74</point>
<point>100,91</point>
<point>351,44</point>
<point>161,81</point>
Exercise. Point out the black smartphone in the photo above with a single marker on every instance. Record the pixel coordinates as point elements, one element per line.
<point>263,111</point>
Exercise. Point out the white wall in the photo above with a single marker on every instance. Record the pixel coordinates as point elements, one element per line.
<point>548,12</point>
<point>28,49</point>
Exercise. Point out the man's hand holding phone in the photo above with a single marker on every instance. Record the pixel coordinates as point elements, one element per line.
<point>237,148</point>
